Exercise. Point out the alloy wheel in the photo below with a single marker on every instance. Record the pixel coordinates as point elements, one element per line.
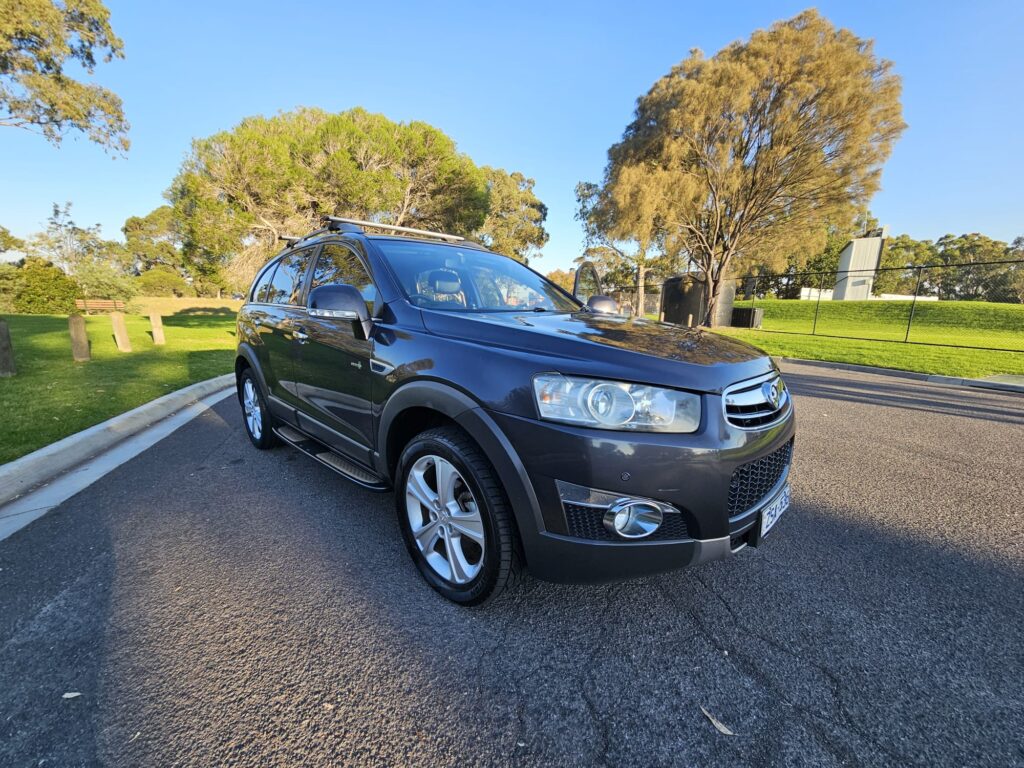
<point>251,406</point>
<point>445,519</point>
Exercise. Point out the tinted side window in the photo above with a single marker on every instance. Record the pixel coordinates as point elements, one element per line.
<point>261,290</point>
<point>339,265</point>
<point>286,284</point>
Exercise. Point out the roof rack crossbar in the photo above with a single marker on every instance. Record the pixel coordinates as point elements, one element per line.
<point>291,239</point>
<point>394,228</point>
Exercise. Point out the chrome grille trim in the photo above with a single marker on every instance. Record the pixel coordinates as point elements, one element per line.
<point>746,405</point>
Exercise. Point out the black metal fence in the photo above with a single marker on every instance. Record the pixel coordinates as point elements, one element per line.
<point>978,306</point>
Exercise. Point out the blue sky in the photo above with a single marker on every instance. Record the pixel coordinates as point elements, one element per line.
<point>542,88</point>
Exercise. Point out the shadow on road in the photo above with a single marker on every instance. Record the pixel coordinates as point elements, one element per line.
<point>912,395</point>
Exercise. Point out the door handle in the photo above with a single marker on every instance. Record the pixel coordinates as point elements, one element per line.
<point>300,337</point>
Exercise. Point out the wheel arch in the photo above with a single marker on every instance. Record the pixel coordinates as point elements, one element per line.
<point>246,358</point>
<point>431,403</point>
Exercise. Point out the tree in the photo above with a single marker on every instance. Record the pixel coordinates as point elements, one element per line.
<point>9,242</point>
<point>44,289</point>
<point>239,190</point>
<point>902,251</point>
<point>750,152</point>
<point>1016,251</point>
<point>515,218</point>
<point>68,245</point>
<point>161,280</point>
<point>101,280</point>
<point>562,278</point>
<point>623,257</point>
<point>985,282</point>
<point>153,239</point>
<point>38,40</point>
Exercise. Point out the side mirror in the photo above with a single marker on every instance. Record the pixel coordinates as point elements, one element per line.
<point>587,283</point>
<point>603,305</point>
<point>343,302</point>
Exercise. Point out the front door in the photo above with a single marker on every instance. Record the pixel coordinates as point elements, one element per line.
<point>332,365</point>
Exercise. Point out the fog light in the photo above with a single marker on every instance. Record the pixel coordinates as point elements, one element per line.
<point>631,519</point>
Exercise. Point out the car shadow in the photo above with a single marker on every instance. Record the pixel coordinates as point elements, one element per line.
<point>912,395</point>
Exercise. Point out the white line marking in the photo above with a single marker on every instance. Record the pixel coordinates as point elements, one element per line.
<point>22,511</point>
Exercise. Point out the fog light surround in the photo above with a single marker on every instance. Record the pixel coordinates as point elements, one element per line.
<point>633,518</point>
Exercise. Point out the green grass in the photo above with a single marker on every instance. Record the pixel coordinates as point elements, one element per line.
<point>967,323</point>
<point>52,397</point>
<point>947,361</point>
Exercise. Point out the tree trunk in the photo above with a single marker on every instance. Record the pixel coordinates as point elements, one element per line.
<point>641,276</point>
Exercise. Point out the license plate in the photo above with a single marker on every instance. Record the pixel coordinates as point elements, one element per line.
<point>770,515</point>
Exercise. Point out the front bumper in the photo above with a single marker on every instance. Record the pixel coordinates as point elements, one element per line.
<point>691,472</point>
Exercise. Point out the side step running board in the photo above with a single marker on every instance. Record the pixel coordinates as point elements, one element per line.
<point>330,458</point>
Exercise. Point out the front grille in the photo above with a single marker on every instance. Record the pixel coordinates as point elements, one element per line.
<point>588,523</point>
<point>752,481</point>
<point>750,405</point>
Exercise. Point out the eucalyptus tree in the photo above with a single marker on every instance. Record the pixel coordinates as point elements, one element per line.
<point>752,151</point>
<point>39,40</point>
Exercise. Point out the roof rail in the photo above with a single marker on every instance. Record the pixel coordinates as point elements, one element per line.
<point>393,228</point>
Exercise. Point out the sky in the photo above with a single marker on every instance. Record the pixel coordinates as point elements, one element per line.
<point>542,88</point>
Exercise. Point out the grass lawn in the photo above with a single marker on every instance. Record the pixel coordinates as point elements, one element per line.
<point>947,361</point>
<point>968,323</point>
<point>52,397</point>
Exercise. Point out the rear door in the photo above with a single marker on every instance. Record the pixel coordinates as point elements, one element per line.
<point>284,312</point>
<point>333,362</point>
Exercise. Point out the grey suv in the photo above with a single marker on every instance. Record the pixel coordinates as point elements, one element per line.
<point>519,425</point>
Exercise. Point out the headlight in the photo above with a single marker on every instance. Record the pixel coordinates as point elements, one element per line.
<point>615,404</point>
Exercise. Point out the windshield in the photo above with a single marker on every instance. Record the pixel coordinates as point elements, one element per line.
<point>455,279</point>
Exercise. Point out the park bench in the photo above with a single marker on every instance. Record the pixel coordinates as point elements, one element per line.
<point>99,305</point>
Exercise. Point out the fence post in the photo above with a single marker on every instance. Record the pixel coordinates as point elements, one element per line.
<point>120,332</point>
<point>817,305</point>
<point>79,339</point>
<point>913,304</point>
<point>6,351</point>
<point>158,328</point>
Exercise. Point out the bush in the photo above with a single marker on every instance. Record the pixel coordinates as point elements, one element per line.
<point>9,274</point>
<point>104,281</point>
<point>161,281</point>
<point>45,290</point>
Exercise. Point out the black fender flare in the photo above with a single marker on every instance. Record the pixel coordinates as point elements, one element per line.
<point>246,352</point>
<point>474,419</point>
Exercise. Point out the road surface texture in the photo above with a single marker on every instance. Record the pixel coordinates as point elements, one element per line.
<point>214,605</point>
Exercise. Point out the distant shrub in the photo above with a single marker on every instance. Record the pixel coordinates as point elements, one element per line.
<point>8,287</point>
<point>104,281</point>
<point>161,281</point>
<point>43,289</point>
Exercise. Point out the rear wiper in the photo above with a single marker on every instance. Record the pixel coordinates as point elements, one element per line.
<point>539,309</point>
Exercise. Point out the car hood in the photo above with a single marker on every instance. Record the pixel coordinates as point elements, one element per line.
<point>610,345</point>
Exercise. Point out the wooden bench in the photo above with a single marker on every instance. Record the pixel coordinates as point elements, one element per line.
<point>99,305</point>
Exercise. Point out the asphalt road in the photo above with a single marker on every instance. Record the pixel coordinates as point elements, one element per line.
<point>214,605</point>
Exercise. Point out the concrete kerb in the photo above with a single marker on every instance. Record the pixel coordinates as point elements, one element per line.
<point>948,381</point>
<point>22,475</point>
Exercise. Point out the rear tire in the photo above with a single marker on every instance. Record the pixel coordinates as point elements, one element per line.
<point>259,424</point>
<point>455,517</point>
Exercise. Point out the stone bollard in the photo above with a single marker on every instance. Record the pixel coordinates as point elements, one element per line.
<point>6,351</point>
<point>79,339</point>
<point>120,332</point>
<point>158,328</point>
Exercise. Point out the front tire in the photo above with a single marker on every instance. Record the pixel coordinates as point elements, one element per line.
<point>259,424</point>
<point>455,517</point>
